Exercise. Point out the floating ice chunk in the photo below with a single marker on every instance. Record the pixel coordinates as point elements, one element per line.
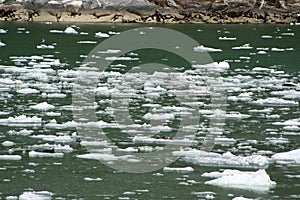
<point>202,48</point>
<point>22,120</point>
<point>261,52</point>
<point>226,172</point>
<point>101,35</point>
<point>113,58</point>
<point>110,51</point>
<point>243,47</point>
<point>2,44</point>
<point>35,154</point>
<point>92,179</point>
<point>160,116</point>
<point>149,140</point>
<point>87,42</point>
<point>27,91</point>
<point>8,143</point>
<point>43,106</point>
<point>227,38</point>
<point>70,30</point>
<point>262,69</point>
<point>2,31</point>
<point>277,49</point>
<point>178,169</point>
<point>288,34</point>
<point>54,138</point>
<point>213,66</point>
<point>288,94</point>
<point>227,159</point>
<point>236,115</point>
<point>44,46</point>
<point>56,31</point>
<point>266,36</point>
<point>287,157</point>
<point>10,157</point>
<point>98,156</point>
<point>271,101</point>
<point>290,122</point>
<point>40,195</point>
<point>23,132</point>
<point>258,180</point>
<point>291,128</point>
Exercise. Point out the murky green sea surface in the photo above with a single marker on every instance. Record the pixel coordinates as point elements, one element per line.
<point>47,158</point>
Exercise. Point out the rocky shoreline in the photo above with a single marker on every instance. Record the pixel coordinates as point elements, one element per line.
<point>149,11</point>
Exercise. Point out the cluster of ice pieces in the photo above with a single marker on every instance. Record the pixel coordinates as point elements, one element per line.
<point>222,160</point>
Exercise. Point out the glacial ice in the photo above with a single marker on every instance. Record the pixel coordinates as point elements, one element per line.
<point>40,195</point>
<point>178,169</point>
<point>10,157</point>
<point>42,106</point>
<point>258,181</point>
<point>226,159</point>
<point>70,30</point>
<point>101,35</point>
<point>202,48</point>
<point>35,154</point>
<point>2,44</point>
<point>22,120</point>
<point>289,157</point>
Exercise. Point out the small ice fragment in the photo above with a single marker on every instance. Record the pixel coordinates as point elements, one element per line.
<point>228,38</point>
<point>2,44</point>
<point>202,48</point>
<point>178,169</point>
<point>92,179</point>
<point>27,91</point>
<point>70,30</point>
<point>101,35</point>
<point>43,106</point>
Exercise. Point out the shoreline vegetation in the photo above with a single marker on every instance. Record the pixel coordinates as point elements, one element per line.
<point>153,11</point>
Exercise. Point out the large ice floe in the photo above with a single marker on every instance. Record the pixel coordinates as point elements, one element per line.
<point>223,160</point>
<point>258,180</point>
<point>39,195</point>
<point>290,157</point>
<point>21,120</point>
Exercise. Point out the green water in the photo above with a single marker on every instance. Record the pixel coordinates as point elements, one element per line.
<point>65,177</point>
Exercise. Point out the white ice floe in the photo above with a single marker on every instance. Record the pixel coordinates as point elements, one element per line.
<point>43,106</point>
<point>227,159</point>
<point>290,122</point>
<point>54,138</point>
<point>70,30</point>
<point>35,154</point>
<point>40,195</point>
<point>259,180</point>
<point>21,120</point>
<point>178,169</point>
<point>2,31</point>
<point>92,179</point>
<point>23,132</point>
<point>228,38</point>
<point>266,36</point>
<point>10,157</point>
<point>287,94</point>
<point>8,143</point>
<point>27,91</point>
<point>101,35</point>
<point>45,46</point>
<point>2,44</point>
<point>124,58</point>
<point>272,101</point>
<point>110,51</point>
<point>236,115</point>
<point>87,42</point>
<point>213,66</point>
<point>289,157</point>
<point>277,49</point>
<point>56,31</point>
<point>159,116</point>
<point>243,47</point>
<point>149,140</point>
<point>202,48</point>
